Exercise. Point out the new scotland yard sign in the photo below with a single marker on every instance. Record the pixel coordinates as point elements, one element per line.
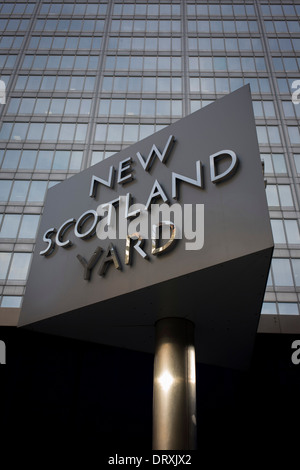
<point>102,270</point>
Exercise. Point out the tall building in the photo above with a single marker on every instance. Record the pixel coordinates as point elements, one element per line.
<point>79,81</point>
<point>86,79</point>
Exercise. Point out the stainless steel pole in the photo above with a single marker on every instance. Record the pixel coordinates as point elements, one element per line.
<point>174,388</point>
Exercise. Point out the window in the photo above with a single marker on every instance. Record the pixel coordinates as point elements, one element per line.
<point>72,106</point>
<point>99,156</point>
<point>11,224</point>
<point>276,10</point>
<point>51,131</point>
<point>28,159</point>
<point>37,191</point>
<point>10,42</point>
<point>145,107</point>
<point>296,271</point>
<point>292,231</point>
<point>4,263</point>
<point>288,64</point>
<point>282,272</point>
<point>294,135</point>
<point>33,82</point>
<point>285,231</point>
<point>293,26</point>
<point>35,131</point>
<point>5,187</point>
<point>264,109</point>
<point>42,106</point>
<point>11,301</point>
<point>290,110</point>
<point>223,85</point>
<point>62,83</point>
<point>269,308</point>
<point>142,63</point>
<point>279,195</point>
<point>288,308</point>
<point>44,161</point>
<point>268,135</point>
<point>46,131</point>
<point>148,108</point>
<point>132,132</point>
<point>145,84</point>
<point>11,159</point>
<point>7,9</point>
<point>59,62</point>
<point>80,134</point>
<point>5,130</point>
<point>297,162</point>
<point>198,104</point>
<point>278,231</point>
<point>7,61</point>
<point>61,160</point>
<point>29,225</point>
<point>114,133</point>
<point>19,191</point>
<point>288,10</point>
<point>274,163</point>
<point>26,106</point>
<point>19,266</point>
<point>19,131</point>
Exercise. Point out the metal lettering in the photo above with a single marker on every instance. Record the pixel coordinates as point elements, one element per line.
<point>110,256</point>
<point>229,172</point>
<point>161,212</point>
<point>155,152</point>
<point>107,207</point>
<point>82,220</point>
<point>156,192</point>
<point>197,182</point>
<point>89,265</point>
<point>123,169</point>
<point>158,250</point>
<point>61,232</point>
<point>129,215</point>
<point>96,180</point>
<point>138,247</point>
<point>51,243</point>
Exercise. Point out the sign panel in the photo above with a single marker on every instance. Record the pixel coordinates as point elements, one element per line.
<point>174,225</point>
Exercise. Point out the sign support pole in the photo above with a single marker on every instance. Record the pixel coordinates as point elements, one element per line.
<point>174,386</point>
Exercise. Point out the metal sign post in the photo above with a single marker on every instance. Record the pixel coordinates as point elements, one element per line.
<point>174,386</point>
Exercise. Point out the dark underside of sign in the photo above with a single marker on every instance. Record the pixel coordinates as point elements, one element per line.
<point>217,299</point>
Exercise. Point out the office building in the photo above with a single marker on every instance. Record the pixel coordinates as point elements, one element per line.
<point>85,79</point>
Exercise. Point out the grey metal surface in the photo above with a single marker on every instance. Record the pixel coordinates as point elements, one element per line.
<point>174,386</point>
<point>219,287</point>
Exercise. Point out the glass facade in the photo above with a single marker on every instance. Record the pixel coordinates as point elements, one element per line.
<point>86,79</point>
